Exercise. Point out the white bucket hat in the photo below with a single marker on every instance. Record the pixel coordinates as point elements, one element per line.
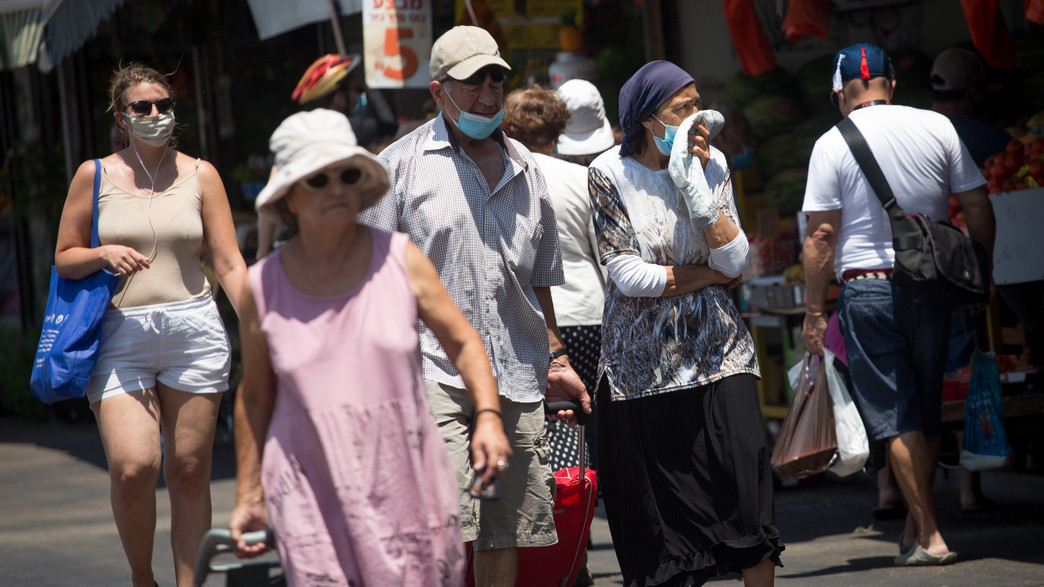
<point>307,142</point>
<point>588,130</point>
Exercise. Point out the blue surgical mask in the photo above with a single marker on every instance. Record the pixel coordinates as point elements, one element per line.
<point>743,159</point>
<point>473,125</point>
<point>664,145</point>
<point>360,106</point>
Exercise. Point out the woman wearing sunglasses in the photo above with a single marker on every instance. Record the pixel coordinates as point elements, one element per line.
<point>164,357</point>
<point>334,436</point>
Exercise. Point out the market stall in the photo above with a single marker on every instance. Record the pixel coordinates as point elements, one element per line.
<point>778,87</point>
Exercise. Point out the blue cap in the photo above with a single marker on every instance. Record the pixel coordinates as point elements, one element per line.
<point>862,61</point>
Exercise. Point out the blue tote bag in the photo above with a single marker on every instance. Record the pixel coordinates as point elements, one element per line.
<point>71,334</point>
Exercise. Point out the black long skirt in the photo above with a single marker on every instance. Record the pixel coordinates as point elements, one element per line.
<point>687,484</point>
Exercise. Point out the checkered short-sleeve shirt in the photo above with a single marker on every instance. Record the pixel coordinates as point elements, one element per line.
<point>491,247</point>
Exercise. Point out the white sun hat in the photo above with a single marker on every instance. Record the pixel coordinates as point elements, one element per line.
<point>588,130</point>
<point>308,142</point>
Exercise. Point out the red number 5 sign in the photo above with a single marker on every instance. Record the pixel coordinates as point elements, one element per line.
<point>397,41</point>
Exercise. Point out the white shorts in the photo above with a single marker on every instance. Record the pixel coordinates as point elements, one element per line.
<point>183,345</point>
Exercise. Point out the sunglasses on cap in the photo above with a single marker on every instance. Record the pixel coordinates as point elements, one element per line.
<point>319,181</point>
<point>144,107</point>
<point>496,75</point>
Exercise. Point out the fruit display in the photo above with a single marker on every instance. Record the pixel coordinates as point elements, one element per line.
<point>773,115</point>
<point>744,89</point>
<point>794,274</point>
<point>786,191</point>
<point>781,152</point>
<point>1020,167</point>
<point>770,256</point>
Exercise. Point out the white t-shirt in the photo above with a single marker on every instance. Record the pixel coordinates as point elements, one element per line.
<point>578,301</point>
<point>920,155</point>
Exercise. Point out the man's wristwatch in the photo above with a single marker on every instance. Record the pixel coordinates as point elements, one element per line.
<point>559,353</point>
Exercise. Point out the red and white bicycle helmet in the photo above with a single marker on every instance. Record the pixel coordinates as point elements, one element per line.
<point>324,76</point>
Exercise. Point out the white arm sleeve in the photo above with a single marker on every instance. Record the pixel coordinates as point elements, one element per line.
<point>731,259</point>
<point>636,278</point>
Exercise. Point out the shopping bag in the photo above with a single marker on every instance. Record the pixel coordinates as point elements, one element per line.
<point>985,443</point>
<point>853,447</point>
<point>807,442</point>
<point>71,334</point>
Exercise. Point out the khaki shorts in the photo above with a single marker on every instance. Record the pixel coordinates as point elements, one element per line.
<point>522,517</point>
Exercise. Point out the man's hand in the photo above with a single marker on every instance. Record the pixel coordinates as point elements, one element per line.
<point>814,331</point>
<point>564,384</point>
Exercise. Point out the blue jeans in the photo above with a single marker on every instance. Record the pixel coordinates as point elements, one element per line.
<point>896,355</point>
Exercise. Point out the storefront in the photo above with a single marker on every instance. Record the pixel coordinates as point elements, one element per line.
<point>234,71</point>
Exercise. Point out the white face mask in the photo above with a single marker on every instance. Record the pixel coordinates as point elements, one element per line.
<point>152,130</point>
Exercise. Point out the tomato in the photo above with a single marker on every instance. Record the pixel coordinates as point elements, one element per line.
<point>1013,161</point>
<point>993,186</point>
<point>1036,168</point>
<point>1016,146</point>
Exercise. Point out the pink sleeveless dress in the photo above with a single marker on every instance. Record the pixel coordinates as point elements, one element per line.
<point>357,481</point>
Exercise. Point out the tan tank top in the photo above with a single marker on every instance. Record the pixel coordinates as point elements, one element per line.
<point>175,273</point>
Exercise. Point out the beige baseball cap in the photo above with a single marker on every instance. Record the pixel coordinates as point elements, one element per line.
<point>462,51</point>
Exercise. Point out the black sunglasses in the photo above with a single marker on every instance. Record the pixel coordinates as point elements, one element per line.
<point>144,107</point>
<point>496,74</point>
<point>319,181</point>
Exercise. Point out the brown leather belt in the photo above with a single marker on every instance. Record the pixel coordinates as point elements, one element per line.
<point>885,274</point>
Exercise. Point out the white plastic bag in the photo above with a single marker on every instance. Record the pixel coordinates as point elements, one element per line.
<point>853,448</point>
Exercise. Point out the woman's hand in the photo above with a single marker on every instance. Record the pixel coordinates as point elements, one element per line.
<point>684,279</point>
<point>699,143</point>
<point>490,449</point>
<point>248,517</point>
<point>123,260</point>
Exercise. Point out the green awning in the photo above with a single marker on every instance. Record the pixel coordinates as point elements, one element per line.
<point>47,31</point>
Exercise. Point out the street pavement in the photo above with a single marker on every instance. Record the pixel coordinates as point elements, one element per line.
<point>56,527</point>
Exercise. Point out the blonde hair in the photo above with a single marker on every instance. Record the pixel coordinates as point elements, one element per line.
<point>131,76</point>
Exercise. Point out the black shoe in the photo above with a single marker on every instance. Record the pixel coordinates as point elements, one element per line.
<point>889,512</point>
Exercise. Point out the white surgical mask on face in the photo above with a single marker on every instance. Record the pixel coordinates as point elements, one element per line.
<point>152,130</point>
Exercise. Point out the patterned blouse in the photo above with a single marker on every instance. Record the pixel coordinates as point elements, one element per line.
<point>658,345</point>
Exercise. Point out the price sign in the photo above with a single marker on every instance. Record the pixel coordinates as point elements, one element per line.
<point>397,42</point>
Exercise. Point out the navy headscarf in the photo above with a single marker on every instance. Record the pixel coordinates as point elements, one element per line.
<point>641,95</point>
